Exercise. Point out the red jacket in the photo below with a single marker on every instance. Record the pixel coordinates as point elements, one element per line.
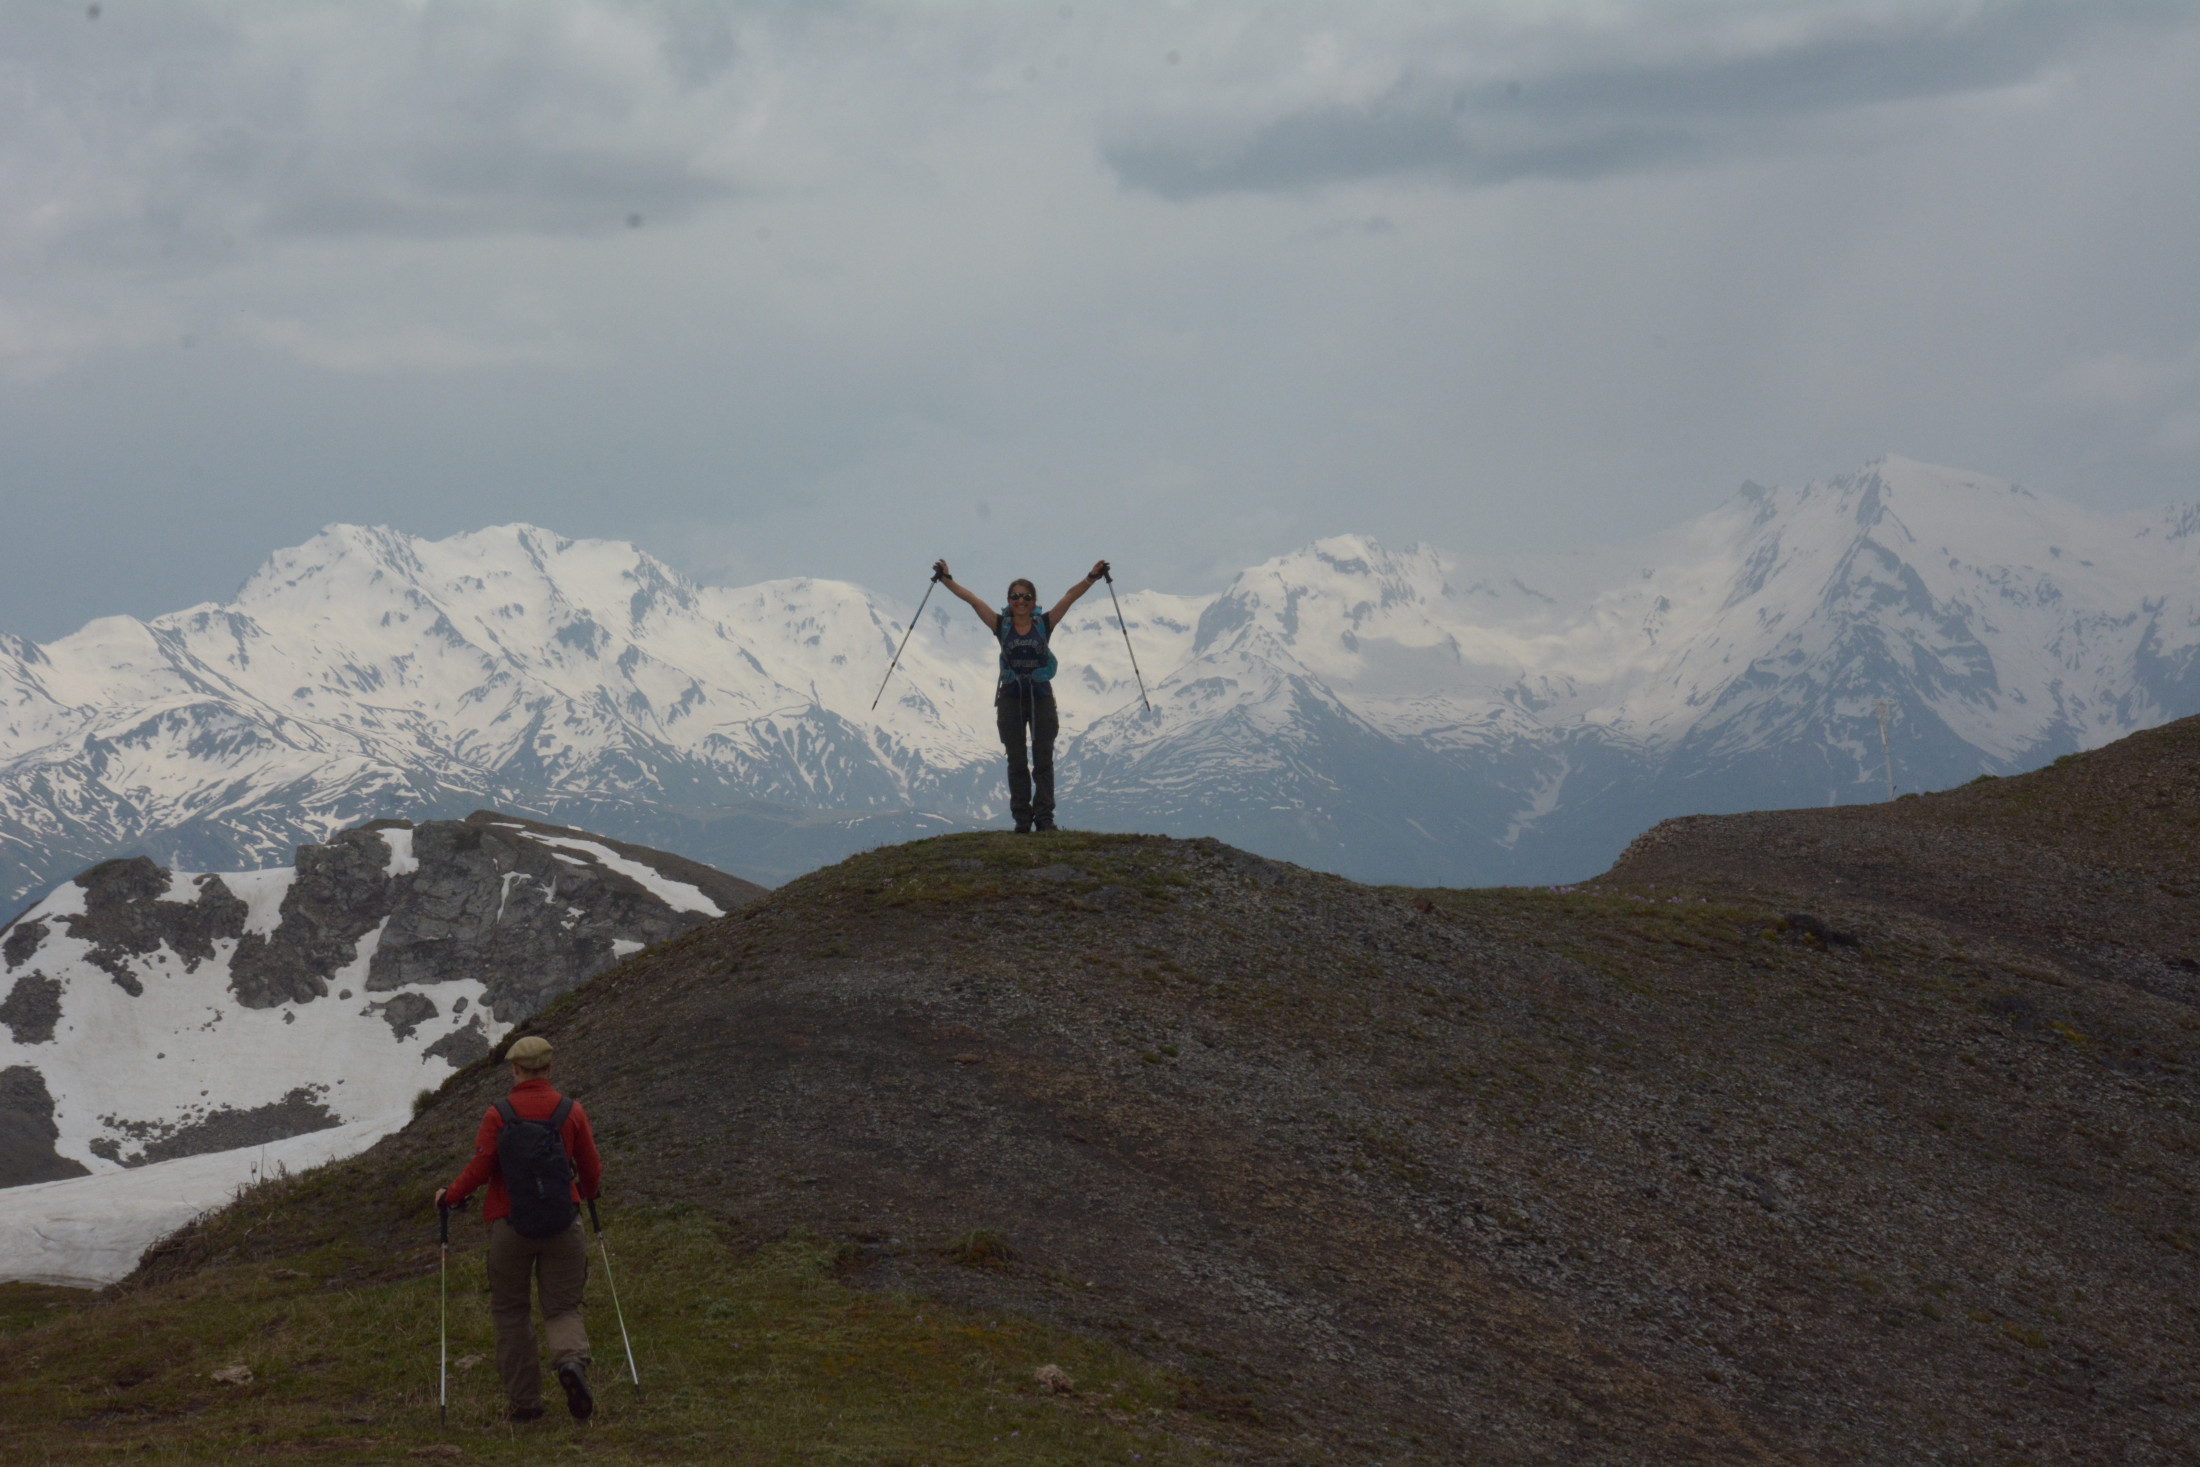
<point>532,1100</point>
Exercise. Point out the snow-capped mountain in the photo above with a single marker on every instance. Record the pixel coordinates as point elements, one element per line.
<point>1424,716</point>
<point>369,674</point>
<point>1400,715</point>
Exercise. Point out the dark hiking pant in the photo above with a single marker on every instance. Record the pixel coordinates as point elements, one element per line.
<point>562,1266</point>
<point>1030,780</point>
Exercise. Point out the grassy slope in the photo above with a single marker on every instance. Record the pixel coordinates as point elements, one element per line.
<point>1603,1175</point>
<point>746,1356</point>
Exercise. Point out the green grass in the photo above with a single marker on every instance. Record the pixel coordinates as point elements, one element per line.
<point>763,1357</point>
<point>25,1306</point>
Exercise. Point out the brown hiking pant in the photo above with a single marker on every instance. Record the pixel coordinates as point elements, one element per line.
<point>562,1266</point>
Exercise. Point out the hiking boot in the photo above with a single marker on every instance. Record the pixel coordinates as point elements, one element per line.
<point>1045,825</point>
<point>1023,827</point>
<point>577,1399</point>
<point>524,1413</point>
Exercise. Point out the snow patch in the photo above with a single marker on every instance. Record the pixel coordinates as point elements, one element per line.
<point>677,895</point>
<point>1540,803</point>
<point>87,1232</point>
<point>353,975</point>
<point>402,861</point>
<point>262,893</point>
<point>65,900</point>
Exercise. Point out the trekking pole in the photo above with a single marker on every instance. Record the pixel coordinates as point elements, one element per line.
<point>605,1249</point>
<point>443,1323</point>
<point>905,636</point>
<point>1109,576</point>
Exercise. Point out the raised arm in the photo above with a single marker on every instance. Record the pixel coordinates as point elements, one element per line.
<point>986,614</point>
<point>1069,597</point>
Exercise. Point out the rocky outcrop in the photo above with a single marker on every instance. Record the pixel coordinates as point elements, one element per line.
<point>127,914</point>
<point>222,1128</point>
<point>405,1013</point>
<point>461,1047</point>
<point>339,894</point>
<point>27,1131</point>
<point>531,910</point>
<point>32,1008</point>
<point>23,940</point>
<point>386,958</point>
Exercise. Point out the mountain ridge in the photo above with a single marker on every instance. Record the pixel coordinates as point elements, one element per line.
<point>1402,715</point>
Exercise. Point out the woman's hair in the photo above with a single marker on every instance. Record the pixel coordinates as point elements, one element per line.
<point>1020,581</point>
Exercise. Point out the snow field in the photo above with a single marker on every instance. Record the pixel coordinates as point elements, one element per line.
<point>87,1232</point>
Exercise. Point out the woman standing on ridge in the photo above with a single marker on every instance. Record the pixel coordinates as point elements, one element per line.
<point>1025,697</point>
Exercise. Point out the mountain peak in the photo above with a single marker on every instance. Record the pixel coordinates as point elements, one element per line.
<point>1910,480</point>
<point>1349,554</point>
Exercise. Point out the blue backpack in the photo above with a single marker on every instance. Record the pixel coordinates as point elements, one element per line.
<point>1025,656</point>
<point>537,1173</point>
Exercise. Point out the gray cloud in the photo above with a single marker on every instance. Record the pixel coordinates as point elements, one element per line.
<point>264,267</point>
<point>1580,116</point>
<point>1400,134</point>
<point>187,134</point>
<point>483,186</point>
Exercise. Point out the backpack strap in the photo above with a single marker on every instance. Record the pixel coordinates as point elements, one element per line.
<point>556,1121</point>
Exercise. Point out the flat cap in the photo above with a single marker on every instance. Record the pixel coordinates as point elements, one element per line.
<point>531,1053</point>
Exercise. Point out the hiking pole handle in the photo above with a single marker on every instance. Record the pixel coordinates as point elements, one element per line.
<point>443,1223</point>
<point>593,1220</point>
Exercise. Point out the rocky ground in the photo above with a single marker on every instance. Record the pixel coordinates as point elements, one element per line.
<point>1853,1135</point>
<point>2094,862</point>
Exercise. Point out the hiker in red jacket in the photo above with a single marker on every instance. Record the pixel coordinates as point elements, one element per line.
<point>538,1231</point>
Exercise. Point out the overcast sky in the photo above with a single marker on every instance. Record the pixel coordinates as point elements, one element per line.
<point>832,289</point>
